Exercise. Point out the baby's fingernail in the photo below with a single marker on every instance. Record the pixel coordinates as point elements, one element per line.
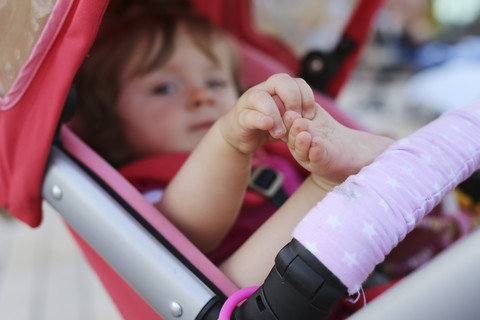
<point>279,130</point>
<point>309,114</point>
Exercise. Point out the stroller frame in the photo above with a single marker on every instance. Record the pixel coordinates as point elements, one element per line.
<point>93,212</point>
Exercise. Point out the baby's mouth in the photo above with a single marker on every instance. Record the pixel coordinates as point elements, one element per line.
<point>202,125</point>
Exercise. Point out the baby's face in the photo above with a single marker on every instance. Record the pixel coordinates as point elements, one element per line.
<point>170,109</point>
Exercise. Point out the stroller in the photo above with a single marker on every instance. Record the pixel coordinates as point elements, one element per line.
<point>149,268</point>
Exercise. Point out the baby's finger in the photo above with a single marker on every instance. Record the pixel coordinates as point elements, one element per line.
<point>299,125</point>
<point>303,142</point>
<point>308,100</point>
<point>252,119</point>
<point>286,88</point>
<point>260,101</point>
<point>289,117</point>
<point>279,103</point>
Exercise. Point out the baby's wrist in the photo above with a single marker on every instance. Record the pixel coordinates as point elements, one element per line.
<point>322,183</point>
<point>243,141</point>
<point>228,139</point>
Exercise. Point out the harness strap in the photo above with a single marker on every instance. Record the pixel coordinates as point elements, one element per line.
<point>265,183</point>
<point>268,183</point>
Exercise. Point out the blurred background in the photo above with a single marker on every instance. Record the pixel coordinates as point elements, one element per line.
<point>422,59</point>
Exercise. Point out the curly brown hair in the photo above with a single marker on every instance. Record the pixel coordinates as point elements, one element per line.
<point>128,31</point>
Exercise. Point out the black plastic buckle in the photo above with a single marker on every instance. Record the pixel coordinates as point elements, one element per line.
<point>265,181</point>
<point>298,287</point>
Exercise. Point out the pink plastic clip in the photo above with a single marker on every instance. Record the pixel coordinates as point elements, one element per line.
<point>234,300</point>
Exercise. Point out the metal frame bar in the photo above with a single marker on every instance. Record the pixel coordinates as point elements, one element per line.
<point>138,257</point>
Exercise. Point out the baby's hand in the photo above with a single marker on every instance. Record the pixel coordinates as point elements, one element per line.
<point>256,118</point>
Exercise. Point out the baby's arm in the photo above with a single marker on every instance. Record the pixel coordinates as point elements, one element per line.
<point>204,198</point>
<point>331,152</point>
<point>375,208</point>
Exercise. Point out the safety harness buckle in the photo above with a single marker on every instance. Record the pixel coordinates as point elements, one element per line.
<point>265,181</point>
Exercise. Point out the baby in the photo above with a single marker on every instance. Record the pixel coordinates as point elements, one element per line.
<point>165,83</point>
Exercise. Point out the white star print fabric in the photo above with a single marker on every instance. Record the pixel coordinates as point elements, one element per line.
<point>363,219</point>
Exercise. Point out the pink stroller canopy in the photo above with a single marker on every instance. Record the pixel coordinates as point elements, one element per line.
<point>34,88</point>
<point>32,101</point>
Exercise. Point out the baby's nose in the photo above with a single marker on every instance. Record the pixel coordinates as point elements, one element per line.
<point>201,97</point>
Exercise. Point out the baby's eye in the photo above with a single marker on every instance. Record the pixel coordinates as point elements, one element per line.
<point>216,83</point>
<point>162,89</point>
